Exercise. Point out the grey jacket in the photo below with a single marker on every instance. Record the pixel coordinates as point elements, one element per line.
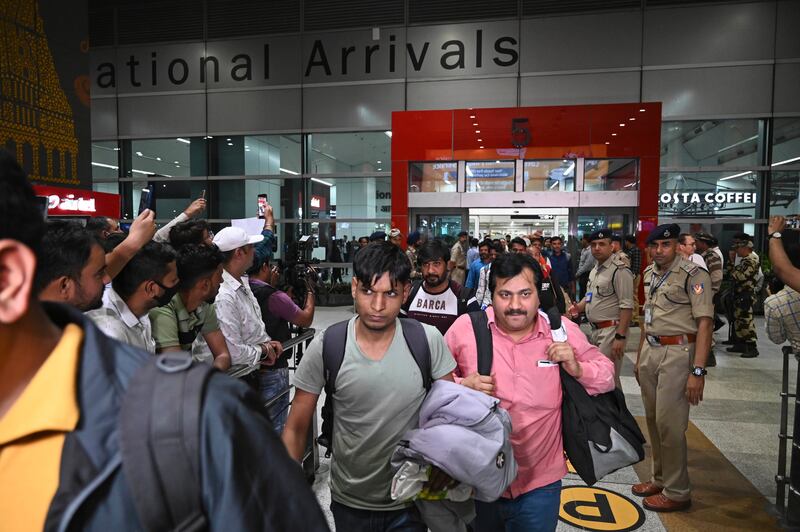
<point>466,434</point>
<point>586,263</point>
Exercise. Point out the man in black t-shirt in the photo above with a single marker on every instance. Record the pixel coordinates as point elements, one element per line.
<point>436,300</point>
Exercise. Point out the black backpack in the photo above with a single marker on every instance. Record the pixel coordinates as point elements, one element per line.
<point>161,444</point>
<point>600,435</point>
<point>333,346</point>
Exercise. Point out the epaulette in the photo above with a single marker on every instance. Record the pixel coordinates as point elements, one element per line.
<point>618,261</point>
<point>690,267</point>
<point>649,268</point>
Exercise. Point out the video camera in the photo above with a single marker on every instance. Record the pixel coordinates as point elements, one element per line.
<point>298,271</point>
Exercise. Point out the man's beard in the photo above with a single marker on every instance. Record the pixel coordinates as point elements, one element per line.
<point>92,304</point>
<point>435,280</point>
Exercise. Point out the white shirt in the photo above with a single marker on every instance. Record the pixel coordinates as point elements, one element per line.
<point>697,259</point>
<point>483,295</point>
<point>240,320</point>
<point>116,320</point>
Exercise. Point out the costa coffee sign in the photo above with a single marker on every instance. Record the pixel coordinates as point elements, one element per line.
<point>75,202</point>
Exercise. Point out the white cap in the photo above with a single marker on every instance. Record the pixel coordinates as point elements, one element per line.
<point>235,237</point>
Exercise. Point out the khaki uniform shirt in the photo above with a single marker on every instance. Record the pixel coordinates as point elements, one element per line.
<point>611,288</point>
<point>458,255</point>
<point>624,257</point>
<point>675,297</point>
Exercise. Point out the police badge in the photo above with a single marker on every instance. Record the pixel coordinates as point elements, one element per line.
<point>698,288</point>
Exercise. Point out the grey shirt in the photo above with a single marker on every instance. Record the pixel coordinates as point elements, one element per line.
<point>376,402</point>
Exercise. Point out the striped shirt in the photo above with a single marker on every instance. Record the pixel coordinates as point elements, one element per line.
<point>782,311</point>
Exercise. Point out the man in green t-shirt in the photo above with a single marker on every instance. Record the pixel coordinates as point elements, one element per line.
<point>379,391</point>
<point>191,310</point>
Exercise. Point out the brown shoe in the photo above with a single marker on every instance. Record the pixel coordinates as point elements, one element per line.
<point>645,489</point>
<point>660,503</point>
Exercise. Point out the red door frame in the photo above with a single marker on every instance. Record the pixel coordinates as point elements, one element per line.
<point>628,130</point>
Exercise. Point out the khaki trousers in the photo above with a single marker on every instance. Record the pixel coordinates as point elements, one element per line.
<point>663,372</point>
<point>636,281</point>
<point>603,338</point>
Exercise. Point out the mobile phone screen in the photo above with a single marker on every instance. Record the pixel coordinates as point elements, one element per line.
<point>145,200</point>
<point>262,205</point>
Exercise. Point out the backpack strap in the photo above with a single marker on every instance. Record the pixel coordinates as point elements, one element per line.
<point>333,346</point>
<point>483,341</point>
<point>415,286</point>
<point>417,341</point>
<point>160,442</point>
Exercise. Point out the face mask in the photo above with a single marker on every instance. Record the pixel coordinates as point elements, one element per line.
<point>168,294</point>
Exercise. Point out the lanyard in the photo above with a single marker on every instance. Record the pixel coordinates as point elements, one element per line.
<point>654,287</point>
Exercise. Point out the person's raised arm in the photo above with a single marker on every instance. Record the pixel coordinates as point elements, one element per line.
<point>142,230</point>
<point>781,264</point>
<point>194,209</point>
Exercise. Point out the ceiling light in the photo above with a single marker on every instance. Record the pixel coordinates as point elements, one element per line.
<point>481,147</point>
<point>177,166</point>
<point>641,110</point>
<point>139,153</point>
<point>247,149</point>
<point>321,182</point>
<point>734,176</point>
<point>613,134</point>
<point>379,169</point>
<point>246,146</point>
<point>787,161</point>
<point>116,149</point>
<point>102,165</point>
<point>480,140</point>
<point>631,119</point>
<point>378,162</point>
<point>183,140</point>
<point>288,171</point>
<point>230,144</point>
<point>228,140</point>
<point>622,125</point>
<point>472,116</point>
<point>177,162</point>
<point>158,158</point>
<point>474,123</point>
<point>208,137</point>
<point>608,142</point>
<point>477,131</point>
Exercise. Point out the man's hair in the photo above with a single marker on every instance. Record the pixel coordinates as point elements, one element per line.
<point>433,250</point>
<point>473,242</point>
<point>113,240</point>
<point>189,232</point>
<point>517,240</point>
<point>631,239</point>
<point>20,216</point>
<point>65,250</point>
<point>682,238</point>
<point>378,258</point>
<point>97,224</point>
<point>196,262</point>
<point>485,243</point>
<point>510,265</point>
<point>150,263</point>
<point>554,238</point>
<point>496,246</point>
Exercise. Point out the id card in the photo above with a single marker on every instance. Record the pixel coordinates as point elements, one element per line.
<point>588,297</point>
<point>546,364</point>
<point>648,315</point>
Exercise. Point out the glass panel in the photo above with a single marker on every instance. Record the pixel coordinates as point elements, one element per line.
<point>351,197</point>
<point>786,142</point>
<point>549,175</point>
<point>445,226</point>
<point>105,159</point>
<point>710,143</point>
<point>349,152</point>
<point>272,154</point>
<point>611,174</point>
<point>619,223</point>
<point>784,193</point>
<point>716,194</point>
<point>174,157</point>
<point>433,177</point>
<point>490,176</point>
<point>329,238</point>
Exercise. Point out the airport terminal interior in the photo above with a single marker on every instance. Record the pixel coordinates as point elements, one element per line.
<point>498,118</point>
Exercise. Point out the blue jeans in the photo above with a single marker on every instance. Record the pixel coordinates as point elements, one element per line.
<point>272,383</point>
<point>535,511</point>
<point>354,520</point>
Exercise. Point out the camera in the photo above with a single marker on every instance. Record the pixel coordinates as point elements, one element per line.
<point>298,272</point>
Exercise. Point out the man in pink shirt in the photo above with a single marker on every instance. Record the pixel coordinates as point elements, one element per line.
<point>526,379</point>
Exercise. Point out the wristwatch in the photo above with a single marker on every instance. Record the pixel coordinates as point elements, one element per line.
<point>618,336</point>
<point>697,371</point>
<point>776,234</point>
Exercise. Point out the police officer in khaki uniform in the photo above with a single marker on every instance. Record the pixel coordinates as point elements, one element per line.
<point>609,300</point>
<point>670,367</point>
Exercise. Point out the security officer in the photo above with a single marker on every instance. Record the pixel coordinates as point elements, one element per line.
<point>706,243</point>
<point>616,244</point>
<point>609,300</point>
<point>670,366</point>
<point>743,276</point>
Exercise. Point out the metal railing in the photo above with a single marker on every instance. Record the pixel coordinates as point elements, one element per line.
<point>296,344</point>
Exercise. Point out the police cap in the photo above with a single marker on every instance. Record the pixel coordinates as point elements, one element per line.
<point>708,238</point>
<point>605,232</point>
<point>664,232</point>
<point>616,237</point>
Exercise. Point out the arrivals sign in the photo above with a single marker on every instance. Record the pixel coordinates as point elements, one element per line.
<point>389,53</point>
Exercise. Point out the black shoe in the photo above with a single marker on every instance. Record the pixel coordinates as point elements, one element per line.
<point>712,360</point>
<point>737,348</point>
<point>750,352</point>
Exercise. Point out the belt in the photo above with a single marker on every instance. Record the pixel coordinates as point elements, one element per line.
<point>604,324</point>
<point>681,339</point>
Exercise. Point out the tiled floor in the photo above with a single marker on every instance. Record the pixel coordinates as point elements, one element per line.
<point>740,415</point>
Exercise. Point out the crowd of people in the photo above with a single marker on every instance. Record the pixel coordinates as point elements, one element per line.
<point>84,307</point>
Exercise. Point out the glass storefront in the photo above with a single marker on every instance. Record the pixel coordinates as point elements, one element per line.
<point>549,175</point>
<point>709,143</point>
<point>433,177</point>
<point>611,174</point>
<point>709,194</point>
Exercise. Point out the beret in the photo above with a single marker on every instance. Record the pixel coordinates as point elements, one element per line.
<point>605,232</point>
<point>664,232</point>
